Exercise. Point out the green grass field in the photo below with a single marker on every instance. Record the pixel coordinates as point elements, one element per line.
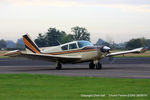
<point>3,57</point>
<point>47,87</point>
<point>2,52</point>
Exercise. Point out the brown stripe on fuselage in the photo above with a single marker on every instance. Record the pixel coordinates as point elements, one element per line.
<point>73,51</point>
<point>30,46</point>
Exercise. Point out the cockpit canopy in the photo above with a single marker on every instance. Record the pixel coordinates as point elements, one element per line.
<point>84,43</point>
<point>76,45</point>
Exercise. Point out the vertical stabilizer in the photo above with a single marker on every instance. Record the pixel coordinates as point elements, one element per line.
<point>30,45</point>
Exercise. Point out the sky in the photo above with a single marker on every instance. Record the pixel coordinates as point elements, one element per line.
<point>111,20</point>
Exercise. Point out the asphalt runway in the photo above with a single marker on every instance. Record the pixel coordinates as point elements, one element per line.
<point>118,68</point>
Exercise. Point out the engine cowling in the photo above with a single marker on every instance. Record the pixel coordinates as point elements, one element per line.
<point>105,49</point>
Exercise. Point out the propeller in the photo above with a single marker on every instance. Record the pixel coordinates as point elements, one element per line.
<point>106,49</point>
<point>111,59</point>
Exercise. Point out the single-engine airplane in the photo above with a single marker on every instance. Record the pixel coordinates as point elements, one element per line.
<point>72,52</point>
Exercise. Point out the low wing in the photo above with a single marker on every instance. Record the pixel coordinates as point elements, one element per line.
<point>44,57</point>
<point>33,52</point>
<point>138,50</point>
<point>61,58</point>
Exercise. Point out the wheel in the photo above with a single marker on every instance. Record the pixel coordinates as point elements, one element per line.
<point>98,65</point>
<point>91,65</point>
<point>59,66</point>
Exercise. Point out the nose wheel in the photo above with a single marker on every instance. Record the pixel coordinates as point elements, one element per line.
<point>98,65</point>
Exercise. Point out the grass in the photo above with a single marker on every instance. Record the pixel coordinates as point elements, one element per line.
<point>1,53</point>
<point>3,56</point>
<point>47,87</point>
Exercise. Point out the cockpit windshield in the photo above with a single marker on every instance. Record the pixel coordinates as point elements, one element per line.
<point>84,43</point>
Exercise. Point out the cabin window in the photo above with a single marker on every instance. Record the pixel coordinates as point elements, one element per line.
<point>65,47</point>
<point>72,46</point>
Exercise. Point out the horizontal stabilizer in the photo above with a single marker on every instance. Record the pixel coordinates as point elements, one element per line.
<point>12,53</point>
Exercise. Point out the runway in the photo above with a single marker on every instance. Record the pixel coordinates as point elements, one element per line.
<point>118,68</point>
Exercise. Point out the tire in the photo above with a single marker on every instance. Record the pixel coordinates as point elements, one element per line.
<point>59,66</point>
<point>91,66</point>
<point>98,66</point>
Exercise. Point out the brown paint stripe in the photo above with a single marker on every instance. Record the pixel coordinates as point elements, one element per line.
<point>31,42</point>
<point>74,51</point>
<point>29,49</point>
<point>30,46</point>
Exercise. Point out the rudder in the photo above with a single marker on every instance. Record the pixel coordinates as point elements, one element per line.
<point>30,45</point>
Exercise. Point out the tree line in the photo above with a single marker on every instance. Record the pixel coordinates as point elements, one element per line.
<point>52,37</point>
<point>55,37</point>
<point>131,44</point>
<point>139,42</point>
<point>11,44</point>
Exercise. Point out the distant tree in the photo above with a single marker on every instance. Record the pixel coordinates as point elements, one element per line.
<point>80,33</point>
<point>136,43</point>
<point>10,44</point>
<point>20,43</point>
<point>148,43</point>
<point>121,46</point>
<point>2,43</point>
<point>40,41</point>
<point>51,38</point>
<point>54,36</point>
<point>113,45</point>
<point>67,38</point>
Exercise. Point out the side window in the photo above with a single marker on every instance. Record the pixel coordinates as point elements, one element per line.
<point>65,47</point>
<point>72,46</point>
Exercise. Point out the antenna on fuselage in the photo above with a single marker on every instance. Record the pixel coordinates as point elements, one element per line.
<point>58,42</point>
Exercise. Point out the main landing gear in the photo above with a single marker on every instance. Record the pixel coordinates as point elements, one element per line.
<point>58,65</point>
<point>98,65</point>
<point>91,65</point>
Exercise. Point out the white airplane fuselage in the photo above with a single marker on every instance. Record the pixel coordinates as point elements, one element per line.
<point>87,53</point>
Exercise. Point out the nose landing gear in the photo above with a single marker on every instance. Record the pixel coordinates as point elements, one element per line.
<point>98,65</point>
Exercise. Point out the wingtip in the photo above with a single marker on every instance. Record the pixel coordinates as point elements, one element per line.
<point>143,50</point>
<point>11,53</point>
<point>140,50</point>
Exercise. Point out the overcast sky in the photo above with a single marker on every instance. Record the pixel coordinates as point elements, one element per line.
<point>118,20</point>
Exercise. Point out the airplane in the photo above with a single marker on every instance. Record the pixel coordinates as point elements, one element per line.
<point>72,53</point>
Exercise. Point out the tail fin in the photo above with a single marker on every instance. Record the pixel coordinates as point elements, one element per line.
<point>30,45</point>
